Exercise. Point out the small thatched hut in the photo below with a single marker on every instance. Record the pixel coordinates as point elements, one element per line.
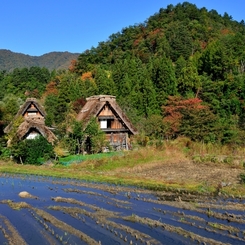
<point>33,122</point>
<point>111,119</point>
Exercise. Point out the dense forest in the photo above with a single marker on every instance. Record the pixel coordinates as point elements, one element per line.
<point>180,73</point>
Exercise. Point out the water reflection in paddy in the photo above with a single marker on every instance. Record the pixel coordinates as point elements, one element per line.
<point>67,211</point>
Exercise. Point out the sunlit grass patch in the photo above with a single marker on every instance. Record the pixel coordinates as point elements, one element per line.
<point>80,158</point>
<point>170,167</point>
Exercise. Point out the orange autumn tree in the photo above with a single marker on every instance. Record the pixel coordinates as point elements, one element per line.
<point>51,88</point>
<point>87,76</point>
<point>72,67</point>
<point>190,118</point>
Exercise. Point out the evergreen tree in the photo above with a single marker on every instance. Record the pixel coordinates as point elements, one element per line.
<point>189,82</point>
<point>180,40</point>
<point>51,105</point>
<point>214,62</point>
<point>148,94</point>
<point>163,78</point>
<point>10,105</point>
<point>179,65</point>
<point>104,81</point>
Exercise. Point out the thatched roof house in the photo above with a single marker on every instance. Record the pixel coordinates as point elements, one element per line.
<point>33,122</point>
<point>110,117</point>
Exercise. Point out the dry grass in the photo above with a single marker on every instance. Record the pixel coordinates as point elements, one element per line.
<point>176,164</point>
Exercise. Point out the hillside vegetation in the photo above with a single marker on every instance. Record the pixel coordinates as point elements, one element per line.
<point>180,73</point>
<point>54,60</point>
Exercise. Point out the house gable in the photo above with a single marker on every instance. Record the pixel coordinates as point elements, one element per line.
<point>110,117</point>
<point>31,108</point>
<point>32,134</point>
<point>107,111</point>
<point>34,122</point>
<point>109,120</point>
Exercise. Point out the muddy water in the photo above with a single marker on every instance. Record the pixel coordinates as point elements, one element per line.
<point>67,211</point>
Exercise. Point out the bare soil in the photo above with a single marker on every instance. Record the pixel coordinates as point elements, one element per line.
<point>184,172</point>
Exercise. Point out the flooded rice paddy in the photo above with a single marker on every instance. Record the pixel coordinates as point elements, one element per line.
<point>68,211</point>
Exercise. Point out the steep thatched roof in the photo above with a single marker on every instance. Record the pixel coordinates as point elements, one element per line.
<point>33,122</point>
<point>38,125</point>
<point>23,109</point>
<point>96,103</point>
<point>26,105</point>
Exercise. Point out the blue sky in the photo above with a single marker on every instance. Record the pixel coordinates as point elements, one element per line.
<point>38,27</point>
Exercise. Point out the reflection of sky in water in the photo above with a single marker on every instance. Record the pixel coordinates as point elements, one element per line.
<point>125,202</point>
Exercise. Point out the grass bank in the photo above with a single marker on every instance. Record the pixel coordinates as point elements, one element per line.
<point>179,165</point>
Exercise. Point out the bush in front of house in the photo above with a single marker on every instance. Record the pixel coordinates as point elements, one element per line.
<point>29,151</point>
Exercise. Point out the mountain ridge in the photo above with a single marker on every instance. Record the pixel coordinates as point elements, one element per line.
<point>55,60</point>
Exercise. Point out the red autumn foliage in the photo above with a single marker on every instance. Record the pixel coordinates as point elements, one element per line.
<point>152,35</point>
<point>225,31</point>
<point>78,104</point>
<point>34,93</point>
<point>203,44</point>
<point>137,41</point>
<point>155,32</point>
<point>174,108</point>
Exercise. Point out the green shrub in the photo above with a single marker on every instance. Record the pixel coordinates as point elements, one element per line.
<point>242,176</point>
<point>29,151</point>
<point>197,159</point>
<point>5,153</point>
<point>229,160</point>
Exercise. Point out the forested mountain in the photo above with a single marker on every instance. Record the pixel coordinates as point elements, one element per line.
<point>194,55</point>
<point>53,60</point>
<point>180,73</point>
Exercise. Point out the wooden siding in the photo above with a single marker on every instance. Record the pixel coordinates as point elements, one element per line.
<point>107,114</point>
<point>118,140</point>
<point>106,111</point>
